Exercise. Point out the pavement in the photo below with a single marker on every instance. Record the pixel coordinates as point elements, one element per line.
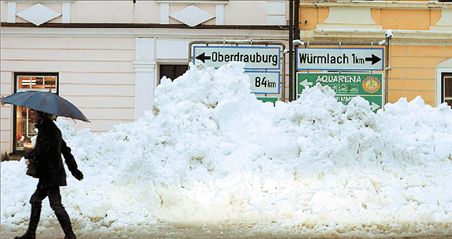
<point>54,231</point>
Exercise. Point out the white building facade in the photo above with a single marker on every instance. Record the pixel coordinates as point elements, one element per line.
<point>107,57</point>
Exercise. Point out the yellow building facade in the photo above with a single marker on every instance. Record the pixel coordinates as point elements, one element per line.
<point>420,51</point>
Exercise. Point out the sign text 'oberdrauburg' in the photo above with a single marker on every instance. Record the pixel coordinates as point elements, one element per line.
<point>254,57</point>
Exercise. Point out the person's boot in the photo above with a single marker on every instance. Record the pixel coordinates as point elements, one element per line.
<point>33,224</point>
<point>27,235</point>
<point>65,222</point>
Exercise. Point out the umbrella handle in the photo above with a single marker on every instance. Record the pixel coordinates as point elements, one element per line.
<point>1,100</point>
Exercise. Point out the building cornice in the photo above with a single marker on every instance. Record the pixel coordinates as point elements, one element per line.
<point>418,37</point>
<point>180,33</point>
<point>144,25</point>
<point>381,4</point>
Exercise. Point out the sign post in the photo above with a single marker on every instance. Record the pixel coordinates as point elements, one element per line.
<point>262,62</point>
<point>346,86</point>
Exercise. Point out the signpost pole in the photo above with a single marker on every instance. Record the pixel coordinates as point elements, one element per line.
<point>387,69</point>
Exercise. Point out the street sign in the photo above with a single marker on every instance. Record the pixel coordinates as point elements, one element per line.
<point>340,59</point>
<point>255,57</point>
<point>347,86</point>
<point>264,82</point>
<point>268,99</point>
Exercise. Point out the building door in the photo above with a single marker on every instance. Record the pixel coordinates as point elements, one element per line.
<point>446,88</point>
<point>172,71</point>
<point>24,122</point>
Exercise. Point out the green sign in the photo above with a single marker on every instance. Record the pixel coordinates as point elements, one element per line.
<point>268,99</point>
<point>347,86</point>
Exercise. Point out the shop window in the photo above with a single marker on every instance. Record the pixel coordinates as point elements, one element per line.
<point>447,88</point>
<point>172,71</point>
<point>25,122</point>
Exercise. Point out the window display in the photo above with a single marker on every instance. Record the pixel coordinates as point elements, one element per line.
<point>25,118</point>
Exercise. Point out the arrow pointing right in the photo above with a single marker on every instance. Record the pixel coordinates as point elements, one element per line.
<point>202,57</point>
<point>374,59</point>
<point>374,106</point>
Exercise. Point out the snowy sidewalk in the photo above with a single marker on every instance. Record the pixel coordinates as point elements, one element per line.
<point>199,232</point>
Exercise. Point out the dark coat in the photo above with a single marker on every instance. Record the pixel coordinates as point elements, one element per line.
<point>48,149</point>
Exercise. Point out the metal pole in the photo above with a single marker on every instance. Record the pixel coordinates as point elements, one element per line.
<point>296,36</point>
<point>387,68</point>
<point>291,62</point>
<point>296,19</point>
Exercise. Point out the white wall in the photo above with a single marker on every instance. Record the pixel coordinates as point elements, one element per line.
<point>97,75</point>
<point>235,12</point>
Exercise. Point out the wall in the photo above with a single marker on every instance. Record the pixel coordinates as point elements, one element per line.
<point>235,12</point>
<point>422,38</point>
<point>110,72</point>
<point>95,74</point>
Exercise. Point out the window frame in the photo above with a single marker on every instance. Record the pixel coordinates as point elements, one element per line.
<point>445,75</point>
<point>16,75</point>
<point>160,64</point>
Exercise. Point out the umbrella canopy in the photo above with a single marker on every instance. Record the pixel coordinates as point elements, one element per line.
<point>47,102</point>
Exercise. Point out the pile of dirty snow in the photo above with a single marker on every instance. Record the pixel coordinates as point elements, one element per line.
<point>210,152</point>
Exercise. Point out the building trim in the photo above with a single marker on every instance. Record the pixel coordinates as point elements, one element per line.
<point>381,4</point>
<point>216,34</point>
<point>11,12</point>
<point>419,37</point>
<point>66,12</point>
<point>443,67</point>
<point>145,75</point>
<point>164,13</point>
<point>145,25</point>
<point>219,14</point>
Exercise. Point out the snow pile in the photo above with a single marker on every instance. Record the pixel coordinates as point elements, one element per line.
<point>210,152</point>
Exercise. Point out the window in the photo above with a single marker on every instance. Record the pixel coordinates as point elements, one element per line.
<point>24,123</point>
<point>172,71</point>
<point>446,86</point>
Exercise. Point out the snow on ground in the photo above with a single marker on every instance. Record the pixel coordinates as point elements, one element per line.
<point>210,152</point>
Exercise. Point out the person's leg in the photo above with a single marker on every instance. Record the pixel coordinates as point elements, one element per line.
<point>36,204</point>
<point>60,212</point>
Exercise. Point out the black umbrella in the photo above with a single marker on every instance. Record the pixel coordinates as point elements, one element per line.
<point>47,102</point>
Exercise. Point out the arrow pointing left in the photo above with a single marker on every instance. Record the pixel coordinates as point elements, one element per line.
<point>202,57</point>
<point>306,83</point>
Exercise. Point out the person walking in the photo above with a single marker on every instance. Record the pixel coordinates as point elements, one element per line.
<point>49,168</point>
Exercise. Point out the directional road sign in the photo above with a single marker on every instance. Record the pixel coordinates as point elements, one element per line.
<point>340,59</point>
<point>347,86</point>
<point>255,57</point>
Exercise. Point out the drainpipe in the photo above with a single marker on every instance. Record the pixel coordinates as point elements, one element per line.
<point>387,68</point>
<point>291,53</point>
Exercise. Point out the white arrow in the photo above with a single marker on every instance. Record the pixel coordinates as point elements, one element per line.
<point>306,84</point>
<point>374,106</point>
